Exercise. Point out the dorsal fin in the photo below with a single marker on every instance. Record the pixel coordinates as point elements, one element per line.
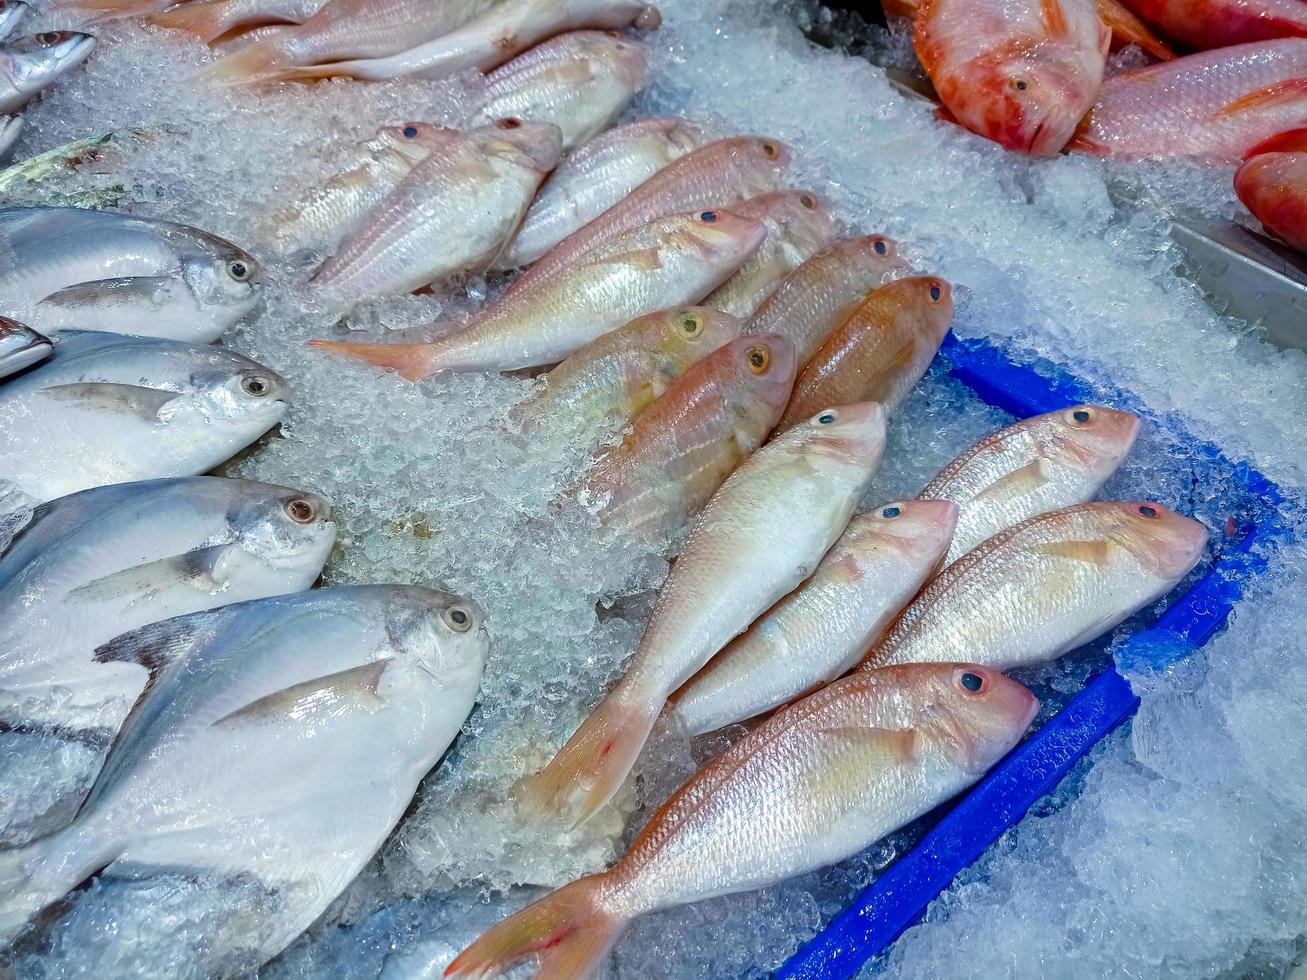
<point>1054,18</point>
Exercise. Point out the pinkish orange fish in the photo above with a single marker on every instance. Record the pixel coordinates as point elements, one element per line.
<point>1204,24</point>
<point>1273,186</point>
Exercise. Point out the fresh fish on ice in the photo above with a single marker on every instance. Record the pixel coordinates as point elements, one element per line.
<point>692,438</point>
<point>798,226</point>
<point>30,64</point>
<point>1215,105</point>
<point>280,739</point>
<point>451,214</point>
<point>211,19</point>
<point>99,270</point>
<point>1273,186</point>
<point>668,262</point>
<point>619,375</point>
<point>581,82</point>
<point>815,784</point>
<point>10,129</point>
<point>759,537</point>
<point>879,352</point>
<point>594,178</point>
<point>1203,24</point>
<point>1046,586</point>
<point>11,12</point>
<point>113,409</point>
<point>825,626</point>
<point>819,295</point>
<point>20,347</point>
<point>1039,464</point>
<point>1019,72</point>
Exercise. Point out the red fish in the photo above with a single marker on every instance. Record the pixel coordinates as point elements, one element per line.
<point>1273,186</point>
<point>1203,24</point>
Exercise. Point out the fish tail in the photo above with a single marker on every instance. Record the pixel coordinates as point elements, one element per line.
<point>205,20</point>
<point>411,361</point>
<point>566,929</point>
<point>588,771</point>
<point>259,62</point>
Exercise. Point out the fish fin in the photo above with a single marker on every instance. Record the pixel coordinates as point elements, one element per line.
<point>1290,141</point>
<point>89,292</point>
<point>1126,28</point>
<point>209,21</point>
<point>589,770</point>
<point>96,738</point>
<point>1018,483</point>
<point>944,115</point>
<point>411,361</point>
<point>1093,552</point>
<point>103,396</point>
<point>566,929</point>
<point>855,751</point>
<point>157,645</point>
<point>331,694</point>
<point>1268,95</point>
<point>647,259</point>
<point>202,568</point>
<point>259,62</point>
<point>1054,18</point>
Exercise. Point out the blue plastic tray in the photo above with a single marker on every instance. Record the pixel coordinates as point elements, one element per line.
<point>899,897</point>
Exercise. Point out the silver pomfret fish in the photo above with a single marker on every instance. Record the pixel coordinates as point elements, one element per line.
<point>30,64</point>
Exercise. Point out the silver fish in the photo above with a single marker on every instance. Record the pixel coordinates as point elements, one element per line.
<point>11,127</point>
<point>20,346</point>
<point>112,409</point>
<point>30,64</point>
<point>280,739</point>
<point>11,12</point>
<point>69,268</point>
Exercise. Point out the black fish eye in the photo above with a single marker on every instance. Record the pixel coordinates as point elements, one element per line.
<point>891,512</point>
<point>826,418</point>
<point>238,270</point>
<point>972,682</point>
<point>880,246</point>
<point>708,216</point>
<point>1020,84</point>
<point>458,619</point>
<point>808,201</point>
<point>935,291</point>
<point>255,385</point>
<point>410,131</point>
<point>1080,415</point>
<point>1149,511</point>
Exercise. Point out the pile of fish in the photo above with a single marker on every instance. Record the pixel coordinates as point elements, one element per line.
<point>727,352</point>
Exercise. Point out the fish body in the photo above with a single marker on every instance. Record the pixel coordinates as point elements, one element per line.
<point>818,296</point>
<point>1019,72</point>
<point>451,214</point>
<point>593,178</point>
<point>20,346</point>
<point>758,538</point>
<point>879,352</point>
<point>1273,186</point>
<point>211,19</point>
<point>281,739</point>
<point>816,783</point>
<point>580,82</point>
<point>69,268</point>
<point>1039,464</point>
<point>825,626</point>
<point>798,226</point>
<point>619,375</point>
<point>31,64</point>
<point>686,443</point>
<point>11,12</point>
<point>669,262</point>
<point>114,409</point>
<point>1046,586</point>
<point>1205,24</point>
<point>1213,106</point>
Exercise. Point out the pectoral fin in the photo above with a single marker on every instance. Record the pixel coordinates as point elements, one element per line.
<point>1018,483</point>
<point>854,752</point>
<point>331,695</point>
<point>644,259</point>
<point>203,569</point>
<point>138,290</point>
<point>1094,552</point>
<point>133,400</point>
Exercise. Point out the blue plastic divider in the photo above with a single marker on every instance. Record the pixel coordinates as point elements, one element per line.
<point>899,897</point>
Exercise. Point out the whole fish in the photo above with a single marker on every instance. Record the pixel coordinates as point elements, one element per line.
<point>334,209</point>
<point>1019,72</point>
<point>619,375</point>
<point>815,784</point>
<point>798,226</point>
<point>594,178</point>
<point>760,535</point>
<point>211,19</point>
<point>20,347</point>
<point>11,127</point>
<point>1203,24</point>
<point>99,270</point>
<point>452,214</point>
<point>1128,29</point>
<point>687,442</point>
<point>112,409</point>
<point>280,739</point>
<point>668,262</point>
<point>825,626</point>
<point>30,64</point>
<point>879,352</point>
<point>1039,464</point>
<point>1273,186</point>
<point>11,12</point>
<point>1213,106</point>
<point>580,81</point>
<point>718,175</point>
<point>819,295</point>
<point>1046,586</point>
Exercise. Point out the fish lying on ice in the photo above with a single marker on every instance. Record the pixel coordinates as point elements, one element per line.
<point>112,409</point>
<point>20,346</point>
<point>1203,24</point>
<point>761,534</point>
<point>815,784</point>
<point>211,19</point>
<point>825,626</point>
<point>100,270</point>
<point>452,213</point>
<point>1273,186</point>
<point>1042,463</point>
<point>31,64</point>
<point>668,262</point>
<point>280,739</point>
<point>11,12</point>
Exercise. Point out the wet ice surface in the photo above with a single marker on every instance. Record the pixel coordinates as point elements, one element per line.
<point>1199,803</point>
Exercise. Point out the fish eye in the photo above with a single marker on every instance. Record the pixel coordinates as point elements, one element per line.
<point>509,122</point>
<point>826,418</point>
<point>256,385</point>
<point>891,512</point>
<point>808,201</point>
<point>50,37</point>
<point>771,151</point>
<point>301,511</point>
<point>458,619</point>
<point>881,246</point>
<point>1020,84</point>
<point>708,216</point>
<point>1149,511</point>
<point>691,324</point>
<point>238,270</point>
<point>971,682</point>
<point>410,132</point>
<point>759,359</point>
<point>1079,416</point>
<point>936,291</point>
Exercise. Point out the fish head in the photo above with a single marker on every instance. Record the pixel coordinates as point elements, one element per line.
<point>1165,543</point>
<point>720,237</point>
<point>414,140</point>
<point>20,346</point>
<point>689,334</point>
<point>920,530</point>
<point>759,372</point>
<point>628,57</point>
<point>222,277</point>
<point>882,249</point>
<point>759,162</point>
<point>443,634</point>
<point>801,219</point>
<point>539,142</point>
<point>231,390</point>
<point>846,433</point>
<point>33,62</point>
<point>1093,437</point>
<point>928,299</point>
<point>973,714</point>
<point>281,531</point>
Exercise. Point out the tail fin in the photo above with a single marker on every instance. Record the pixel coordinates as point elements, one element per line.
<point>259,62</point>
<point>566,929</point>
<point>589,770</point>
<point>412,361</point>
<point>206,21</point>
